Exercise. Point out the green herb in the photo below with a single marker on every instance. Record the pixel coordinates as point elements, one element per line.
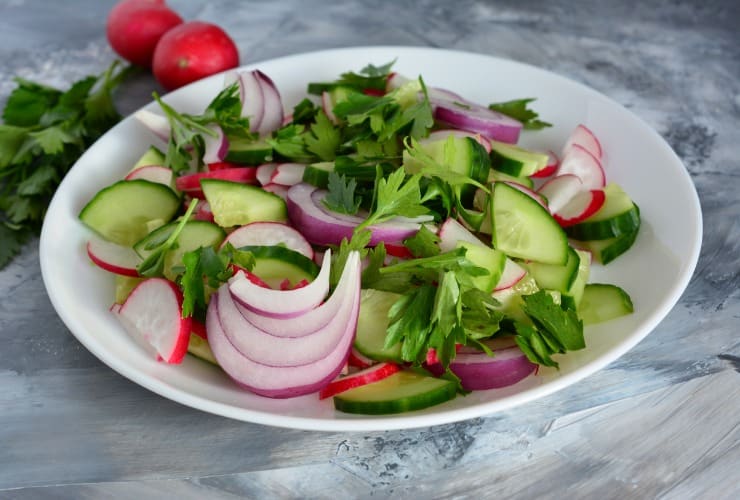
<point>324,138</point>
<point>45,131</point>
<point>518,110</point>
<point>370,77</point>
<point>186,143</point>
<point>208,268</point>
<point>424,243</point>
<point>395,196</point>
<point>555,329</point>
<point>341,195</point>
<point>153,265</point>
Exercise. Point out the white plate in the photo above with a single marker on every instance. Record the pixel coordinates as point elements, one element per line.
<point>655,271</point>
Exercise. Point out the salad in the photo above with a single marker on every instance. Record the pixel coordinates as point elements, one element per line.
<point>388,244</point>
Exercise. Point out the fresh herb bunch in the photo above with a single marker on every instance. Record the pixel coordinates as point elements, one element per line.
<point>45,131</point>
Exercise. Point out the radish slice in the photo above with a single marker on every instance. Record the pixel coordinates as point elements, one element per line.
<point>269,234</point>
<point>451,231</point>
<point>398,251</point>
<point>253,102</point>
<point>560,190</point>
<point>288,174</point>
<point>190,183</point>
<point>478,371</point>
<point>359,360</point>
<point>475,118</point>
<point>278,303</point>
<point>216,146</point>
<point>583,137</point>
<point>307,214</point>
<point>580,207</point>
<point>367,376</point>
<point>512,274</point>
<point>116,259</point>
<point>264,173</point>
<point>273,104</point>
<point>158,124</point>
<point>550,168</point>
<point>328,106</point>
<point>153,173</point>
<point>202,211</point>
<point>278,350</point>
<point>395,81</point>
<point>278,189</point>
<point>153,312</point>
<point>441,135</point>
<point>578,161</point>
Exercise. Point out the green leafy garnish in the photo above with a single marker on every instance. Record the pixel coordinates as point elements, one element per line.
<point>396,196</point>
<point>153,265</point>
<point>370,77</point>
<point>341,195</point>
<point>45,131</point>
<point>518,110</point>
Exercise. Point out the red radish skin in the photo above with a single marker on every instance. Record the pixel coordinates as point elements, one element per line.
<point>512,274</point>
<point>222,165</point>
<point>264,173</point>
<point>532,194</point>
<point>398,251</point>
<point>198,328</point>
<point>190,183</point>
<point>153,312</point>
<point>587,167</point>
<point>552,166</point>
<point>359,360</point>
<point>134,27</point>
<point>584,137</point>
<point>369,375</point>
<point>113,258</point>
<point>287,174</point>
<point>152,173</point>
<point>270,234</point>
<point>191,51</point>
<point>559,190</point>
<point>580,207</point>
<point>451,232</point>
<point>287,285</point>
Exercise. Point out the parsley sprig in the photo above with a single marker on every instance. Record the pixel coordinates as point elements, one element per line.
<point>45,131</point>
<point>519,110</point>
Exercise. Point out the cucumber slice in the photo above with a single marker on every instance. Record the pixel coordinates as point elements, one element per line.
<point>152,156</point>
<point>463,155</point>
<point>372,325</point>
<point>403,391</point>
<point>317,174</point>
<point>246,152</point>
<point>510,299</point>
<point>605,251</point>
<point>236,204</point>
<point>488,258</point>
<point>275,264</point>
<point>516,161</point>
<point>574,295</point>
<point>124,286</point>
<point>495,175</point>
<point>602,302</point>
<point>523,228</point>
<point>121,212</point>
<point>198,347</point>
<point>195,234</point>
<point>617,217</point>
<point>556,277</point>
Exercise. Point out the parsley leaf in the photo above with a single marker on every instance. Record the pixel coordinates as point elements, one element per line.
<point>45,131</point>
<point>518,110</point>
<point>324,138</point>
<point>424,243</point>
<point>395,196</point>
<point>341,196</point>
<point>153,265</point>
<point>370,77</point>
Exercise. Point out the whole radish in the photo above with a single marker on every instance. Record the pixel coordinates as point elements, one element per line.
<point>191,51</point>
<point>135,26</point>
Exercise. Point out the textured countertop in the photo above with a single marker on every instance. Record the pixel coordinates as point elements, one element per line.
<point>660,422</point>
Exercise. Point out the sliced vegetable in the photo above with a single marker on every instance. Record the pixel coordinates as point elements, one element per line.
<point>117,259</point>
<point>369,375</point>
<point>603,302</point>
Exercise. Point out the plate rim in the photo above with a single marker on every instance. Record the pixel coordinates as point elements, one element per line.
<point>408,420</point>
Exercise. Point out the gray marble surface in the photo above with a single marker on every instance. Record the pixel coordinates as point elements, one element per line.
<point>661,422</point>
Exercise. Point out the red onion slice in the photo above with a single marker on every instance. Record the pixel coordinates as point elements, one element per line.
<point>253,101</point>
<point>216,146</point>
<point>476,118</point>
<point>273,104</point>
<point>478,371</point>
<point>282,303</point>
<point>269,234</point>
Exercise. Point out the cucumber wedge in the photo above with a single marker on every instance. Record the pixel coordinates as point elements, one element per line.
<point>246,152</point>
<point>152,156</point>
<point>553,276</point>
<point>122,212</point>
<point>617,217</point>
<point>372,325</point>
<point>401,392</point>
<point>237,204</point>
<point>523,228</point>
<point>275,264</point>
<point>491,260</point>
<point>602,302</point>
<point>516,161</point>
